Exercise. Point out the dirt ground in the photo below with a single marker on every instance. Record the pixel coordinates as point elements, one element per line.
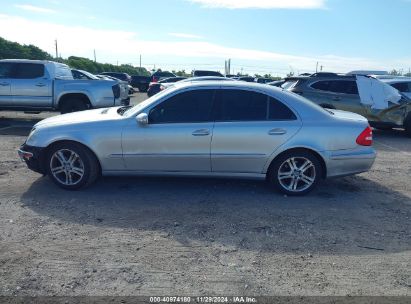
<point>177,236</point>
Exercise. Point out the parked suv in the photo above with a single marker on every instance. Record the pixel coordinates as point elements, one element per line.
<point>337,91</point>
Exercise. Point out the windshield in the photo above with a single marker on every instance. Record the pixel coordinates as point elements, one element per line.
<point>91,76</point>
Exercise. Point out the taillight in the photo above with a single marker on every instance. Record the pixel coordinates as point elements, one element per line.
<point>155,79</point>
<point>365,138</point>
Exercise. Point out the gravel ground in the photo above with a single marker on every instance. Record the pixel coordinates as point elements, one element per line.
<point>177,236</point>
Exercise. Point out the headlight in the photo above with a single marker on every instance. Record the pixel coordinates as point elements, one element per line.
<point>31,136</point>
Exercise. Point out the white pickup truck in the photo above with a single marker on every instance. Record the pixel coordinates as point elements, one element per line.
<point>37,85</point>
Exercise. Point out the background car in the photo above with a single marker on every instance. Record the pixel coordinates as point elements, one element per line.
<point>159,75</point>
<point>262,80</point>
<point>155,87</point>
<point>202,73</point>
<point>277,83</point>
<point>122,76</point>
<point>81,74</point>
<point>140,82</point>
<point>214,128</point>
<point>246,78</point>
<point>340,91</point>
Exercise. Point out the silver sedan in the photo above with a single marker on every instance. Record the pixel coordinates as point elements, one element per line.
<point>210,128</point>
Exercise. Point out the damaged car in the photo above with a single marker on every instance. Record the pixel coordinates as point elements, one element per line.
<point>381,103</point>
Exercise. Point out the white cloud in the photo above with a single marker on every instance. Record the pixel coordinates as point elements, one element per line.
<point>184,35</point>
<point>125,46</point>
<point>36,9</point>
<point>262,4</point>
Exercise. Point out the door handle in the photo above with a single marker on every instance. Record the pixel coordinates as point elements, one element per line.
<point>277,131</point>
<point>201,132</point>
<point>4,84</point>
<point>40,85</point>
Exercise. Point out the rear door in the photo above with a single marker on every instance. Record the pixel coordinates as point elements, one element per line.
<point>32,86</point>
<point>249,127</point>
<point>5,84</point>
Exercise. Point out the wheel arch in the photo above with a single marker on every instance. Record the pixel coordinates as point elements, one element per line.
<point>48,148</point>
<point>79,95</point>
<point>299,149</point>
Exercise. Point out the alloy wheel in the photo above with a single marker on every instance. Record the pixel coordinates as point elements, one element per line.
<point>67,167</point>
<point>296,174</point>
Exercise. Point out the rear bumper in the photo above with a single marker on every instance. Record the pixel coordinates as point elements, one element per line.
<point>33,157</point>
<point>342,163</point>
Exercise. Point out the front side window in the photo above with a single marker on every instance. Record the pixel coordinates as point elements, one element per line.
<point>5,69</point>
<point>192,106</point>
<point>28,71</point>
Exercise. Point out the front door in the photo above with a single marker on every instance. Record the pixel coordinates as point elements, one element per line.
<point>249,127</point>
<point>177,137</point>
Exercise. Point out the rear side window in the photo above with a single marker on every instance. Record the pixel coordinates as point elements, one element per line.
<point>279,111</point>
<point>238,105</point>
<point>5,69</point>
<point>28,71</point>
<point>337,86</point>
<point>191,106</point>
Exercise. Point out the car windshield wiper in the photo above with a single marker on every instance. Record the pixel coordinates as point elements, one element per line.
<point>123,110</point>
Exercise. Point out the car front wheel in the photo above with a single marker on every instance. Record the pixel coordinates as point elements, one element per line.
<point>295,173</point>
<point>72,166</point>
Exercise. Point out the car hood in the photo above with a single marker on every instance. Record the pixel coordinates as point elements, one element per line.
<point>347,115</point>
<point>82,117</point>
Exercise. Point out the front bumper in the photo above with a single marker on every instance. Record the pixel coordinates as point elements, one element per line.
<point>33,157</point>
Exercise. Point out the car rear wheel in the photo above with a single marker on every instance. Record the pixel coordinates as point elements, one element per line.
<point>72,166</point>
<point>295,173</point>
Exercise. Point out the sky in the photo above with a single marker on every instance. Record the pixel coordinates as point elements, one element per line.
<point>259,36</point>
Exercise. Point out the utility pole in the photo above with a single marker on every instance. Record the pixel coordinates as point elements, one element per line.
<point>321,69</point>
<point>57,52</point>
<point>316,68</point>
<point>95,60</point>
<point>140,61</point>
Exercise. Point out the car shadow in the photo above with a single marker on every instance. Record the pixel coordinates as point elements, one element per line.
<point>351,215</point>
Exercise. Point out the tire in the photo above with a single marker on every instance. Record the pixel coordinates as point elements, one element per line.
<point>300,181</point>
<point>407,125</point>
<point>73,105</point>
<point>80,173</point>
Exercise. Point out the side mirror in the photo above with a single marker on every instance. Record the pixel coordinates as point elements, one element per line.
<point>142,119</point>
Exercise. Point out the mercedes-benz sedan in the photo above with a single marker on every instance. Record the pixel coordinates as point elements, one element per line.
<point>210,128</point>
